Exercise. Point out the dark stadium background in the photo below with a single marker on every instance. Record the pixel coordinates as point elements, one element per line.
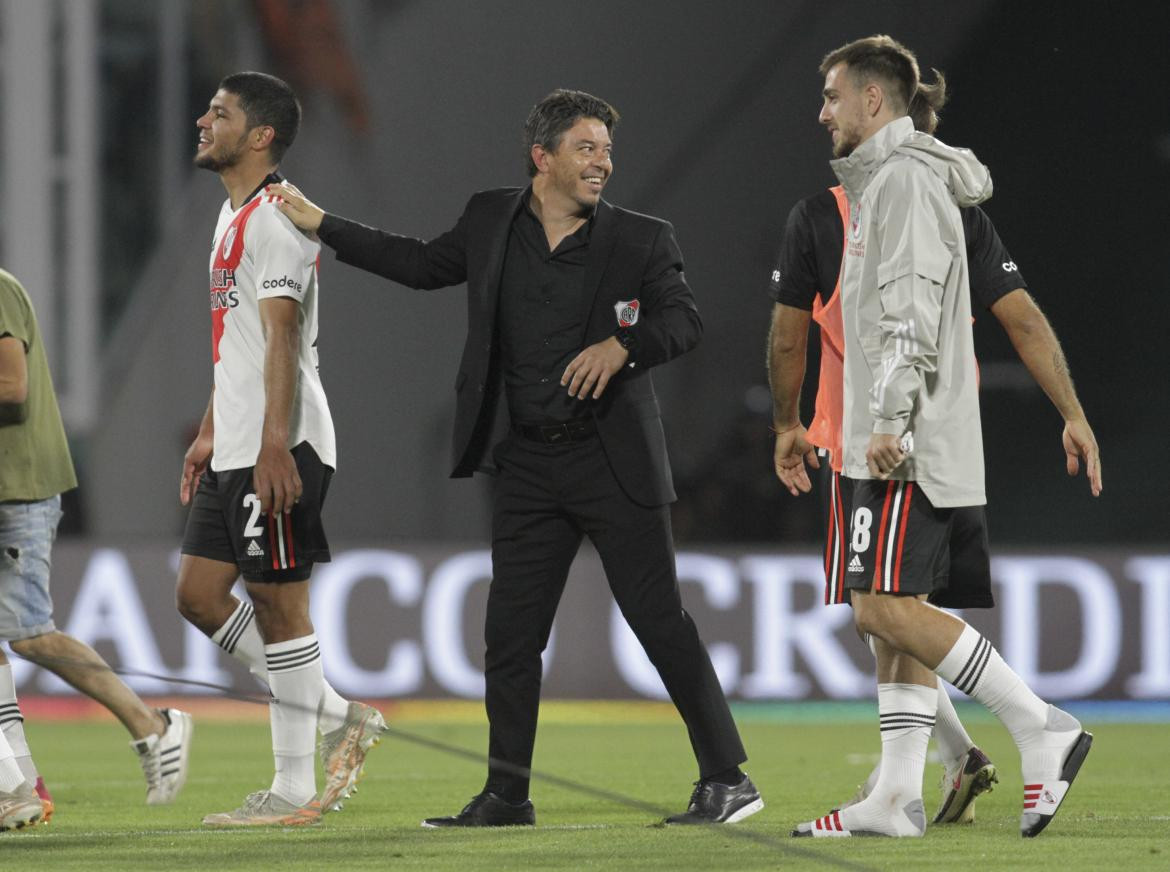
<point>720,136</point>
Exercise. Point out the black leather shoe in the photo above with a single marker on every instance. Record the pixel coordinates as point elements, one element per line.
<point>489,810</point>
<point>714,803</point>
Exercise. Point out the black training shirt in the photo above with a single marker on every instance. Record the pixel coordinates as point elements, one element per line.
<point>810,255</point>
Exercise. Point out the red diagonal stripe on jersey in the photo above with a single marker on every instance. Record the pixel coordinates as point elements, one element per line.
<point>228,261</point>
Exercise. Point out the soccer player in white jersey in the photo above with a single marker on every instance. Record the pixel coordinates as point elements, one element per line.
<point>258,471</point>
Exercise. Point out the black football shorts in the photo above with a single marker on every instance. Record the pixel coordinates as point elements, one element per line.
<point>966,581</point>
<point>226,523</point>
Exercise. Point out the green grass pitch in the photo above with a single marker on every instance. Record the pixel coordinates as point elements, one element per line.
<point>804,760</point>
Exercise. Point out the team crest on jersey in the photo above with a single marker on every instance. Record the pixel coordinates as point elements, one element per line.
<point>228,239</point>
<point>627,312</point>
<point>856,245</point>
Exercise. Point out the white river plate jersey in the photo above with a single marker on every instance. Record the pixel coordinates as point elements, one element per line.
<point>258,254</point>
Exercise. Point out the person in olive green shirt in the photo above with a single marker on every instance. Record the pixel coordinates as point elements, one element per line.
<point>35,468</point>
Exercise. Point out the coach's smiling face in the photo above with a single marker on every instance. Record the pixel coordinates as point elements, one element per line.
<point>581,164</point>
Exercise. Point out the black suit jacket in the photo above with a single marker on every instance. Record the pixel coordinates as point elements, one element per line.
<point>631,257</point>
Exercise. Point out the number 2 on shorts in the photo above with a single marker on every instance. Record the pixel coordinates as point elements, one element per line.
<point>252,529</point>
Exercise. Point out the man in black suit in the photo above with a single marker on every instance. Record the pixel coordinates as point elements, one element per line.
<point>571,301</point>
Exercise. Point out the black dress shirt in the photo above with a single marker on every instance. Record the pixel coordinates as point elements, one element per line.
<point>541,319</point>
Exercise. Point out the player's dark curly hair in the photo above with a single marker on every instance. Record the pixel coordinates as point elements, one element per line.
<point>895,67</point>
<point>556,113</point>
<point>270,102</point>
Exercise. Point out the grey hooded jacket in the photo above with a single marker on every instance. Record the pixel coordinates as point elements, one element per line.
<point>906,305</point>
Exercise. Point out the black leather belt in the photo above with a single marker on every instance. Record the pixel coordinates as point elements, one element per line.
<point>554,434</point>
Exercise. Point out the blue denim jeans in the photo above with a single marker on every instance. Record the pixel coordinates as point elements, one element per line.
<point>27,531</point>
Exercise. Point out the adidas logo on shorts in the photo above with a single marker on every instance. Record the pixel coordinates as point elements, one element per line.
<point>854,564</point>
<point>254,549</point>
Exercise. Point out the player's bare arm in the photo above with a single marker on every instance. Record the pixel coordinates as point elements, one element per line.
<point>13,381</point>
<point>198,454</point>
<point>592,369</point>
<point>786,353</point>
<point>296,206</point>
<point>275,477</point>
<point>1036,344</point>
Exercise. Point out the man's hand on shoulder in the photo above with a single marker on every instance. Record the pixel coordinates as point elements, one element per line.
<point>592,369</point>
<point>792,450</point>
<point>296,206</point>
<point>276,480</point>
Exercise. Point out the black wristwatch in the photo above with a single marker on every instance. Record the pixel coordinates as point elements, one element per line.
<point>628,340</point>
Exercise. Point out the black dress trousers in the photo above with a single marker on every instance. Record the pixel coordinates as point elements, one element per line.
<point>546,498</point>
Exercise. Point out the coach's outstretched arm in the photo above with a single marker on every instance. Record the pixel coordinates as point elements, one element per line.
<point>412,262</point>
<point>1040,350</point>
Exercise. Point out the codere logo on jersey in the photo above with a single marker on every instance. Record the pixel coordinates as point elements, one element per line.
<point>282,282</point>
<point>223,289</point>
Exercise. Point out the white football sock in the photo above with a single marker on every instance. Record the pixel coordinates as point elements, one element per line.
<point>1043,733</point>
<point>949,733</point>
<point>10,775</point>
<point>894,806</point>
<point>240,638</point>
<point>975,667</point>
<point>297,682</point>
<point>12,723</point>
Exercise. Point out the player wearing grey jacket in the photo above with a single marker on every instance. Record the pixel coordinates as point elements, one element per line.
<point>907,310</point>
<point>910,367</point>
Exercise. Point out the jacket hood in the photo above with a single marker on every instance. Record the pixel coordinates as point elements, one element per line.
<point>966,178</point>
